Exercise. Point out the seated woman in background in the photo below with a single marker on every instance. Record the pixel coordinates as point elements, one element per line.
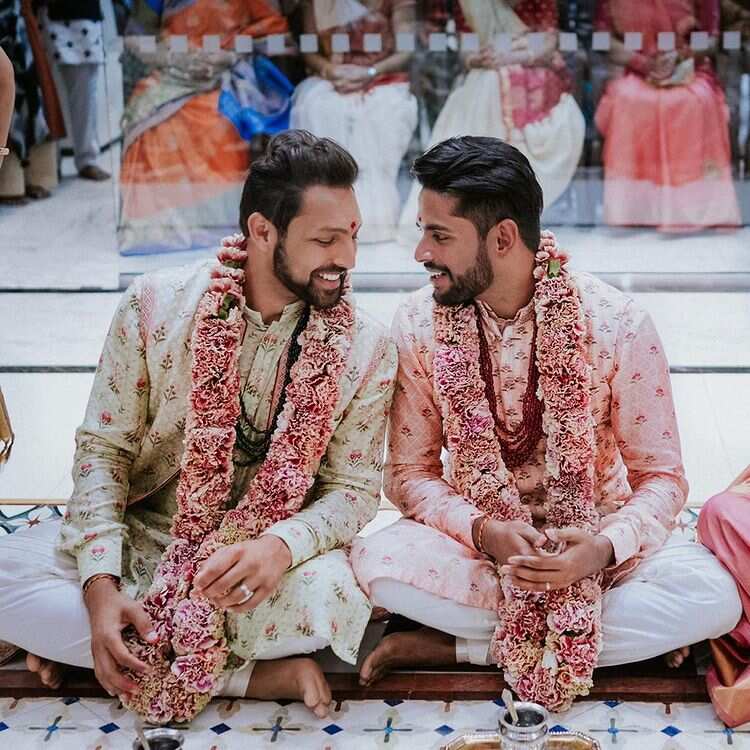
<point>519,95</point>
<point>188,123</point>
<point>724,527</point>
<point>664,121</point>
<point>362,99</point>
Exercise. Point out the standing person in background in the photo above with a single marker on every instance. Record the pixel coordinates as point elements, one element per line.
<point>7,96</point>
<point>73,38</point>
<point>30,170</point>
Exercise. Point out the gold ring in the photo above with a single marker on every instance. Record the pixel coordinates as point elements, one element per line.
<point>547,586</point>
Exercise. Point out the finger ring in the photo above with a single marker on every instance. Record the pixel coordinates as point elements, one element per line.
<point>547,586</point>
<point>246,593</point>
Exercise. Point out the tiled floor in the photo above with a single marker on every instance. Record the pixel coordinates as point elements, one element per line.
<point>89,724</point>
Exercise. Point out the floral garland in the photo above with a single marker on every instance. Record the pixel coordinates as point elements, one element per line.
<point>191,651</point>
<point>548,644</point>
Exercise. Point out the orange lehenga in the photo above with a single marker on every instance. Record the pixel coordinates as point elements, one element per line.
<point>184,159</point>
<point>666,147</point>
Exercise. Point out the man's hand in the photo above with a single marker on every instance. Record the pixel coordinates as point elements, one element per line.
<point>504,539</point>
<point>110,612</point>
<point>258,564</point>
<point>584,555</point>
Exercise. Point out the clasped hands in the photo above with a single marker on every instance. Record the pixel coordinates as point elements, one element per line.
<point>517,547</point>
<point>347,78</point>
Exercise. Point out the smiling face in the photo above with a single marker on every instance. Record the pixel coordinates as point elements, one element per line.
<point>451,250</point>
<point>320,246</point>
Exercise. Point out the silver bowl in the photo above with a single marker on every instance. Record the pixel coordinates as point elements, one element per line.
<point>162,738</point>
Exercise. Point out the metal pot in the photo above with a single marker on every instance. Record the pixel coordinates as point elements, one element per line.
<point>530,733</point>
<point>161,738</point>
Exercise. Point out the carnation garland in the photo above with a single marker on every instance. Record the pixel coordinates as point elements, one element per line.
<point>548,644</point>
<point>191,651</point>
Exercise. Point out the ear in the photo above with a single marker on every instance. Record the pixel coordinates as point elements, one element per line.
<point>261,232</point>
<point>503,237</point>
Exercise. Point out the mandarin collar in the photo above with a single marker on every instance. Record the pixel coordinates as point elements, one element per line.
<point>289,315</point>
<point>497,324</point>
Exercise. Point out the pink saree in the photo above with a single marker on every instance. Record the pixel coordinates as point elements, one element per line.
<point>724,527</point>
<point>666,148</point>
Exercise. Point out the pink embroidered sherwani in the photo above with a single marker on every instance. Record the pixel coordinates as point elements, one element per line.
<point>640,485</point>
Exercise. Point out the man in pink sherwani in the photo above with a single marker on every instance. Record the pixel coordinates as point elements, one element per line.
<point>440,565</point>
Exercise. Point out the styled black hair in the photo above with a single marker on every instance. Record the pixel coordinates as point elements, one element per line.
<point>491,179</point>
<point>294,161</point>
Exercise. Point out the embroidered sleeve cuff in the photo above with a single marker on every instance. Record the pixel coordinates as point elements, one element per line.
<point>624,541</point>
<point>100,556</point>
<point>298,536</point>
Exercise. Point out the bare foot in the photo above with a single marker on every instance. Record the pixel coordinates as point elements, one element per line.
<point>424,647</point>
<point>677,657</point>
<point>299,679</point>
<point>50,672</point>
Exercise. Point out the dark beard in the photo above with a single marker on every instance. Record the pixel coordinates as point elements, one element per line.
<point>471,284</point>
<point>306,292</point>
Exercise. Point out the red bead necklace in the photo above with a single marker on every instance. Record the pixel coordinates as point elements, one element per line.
<point>517,446</point>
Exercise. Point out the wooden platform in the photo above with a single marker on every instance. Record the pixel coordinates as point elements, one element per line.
<point>647,681</point>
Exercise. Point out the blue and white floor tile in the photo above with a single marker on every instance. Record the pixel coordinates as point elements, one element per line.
<point>73,724</point>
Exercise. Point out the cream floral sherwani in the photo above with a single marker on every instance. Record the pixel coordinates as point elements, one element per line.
<point>640,485</point>
<point>129,447</point>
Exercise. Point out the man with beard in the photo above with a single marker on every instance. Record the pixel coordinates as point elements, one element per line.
<point>550,393</point>
<point>289,590</point>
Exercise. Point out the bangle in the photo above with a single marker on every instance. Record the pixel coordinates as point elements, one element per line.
<point>4,152</point>
<point>480,534</point>
<point>96,577</point>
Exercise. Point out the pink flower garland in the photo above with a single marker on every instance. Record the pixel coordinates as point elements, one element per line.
<point>549,643</point>
<point>191,652</point>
